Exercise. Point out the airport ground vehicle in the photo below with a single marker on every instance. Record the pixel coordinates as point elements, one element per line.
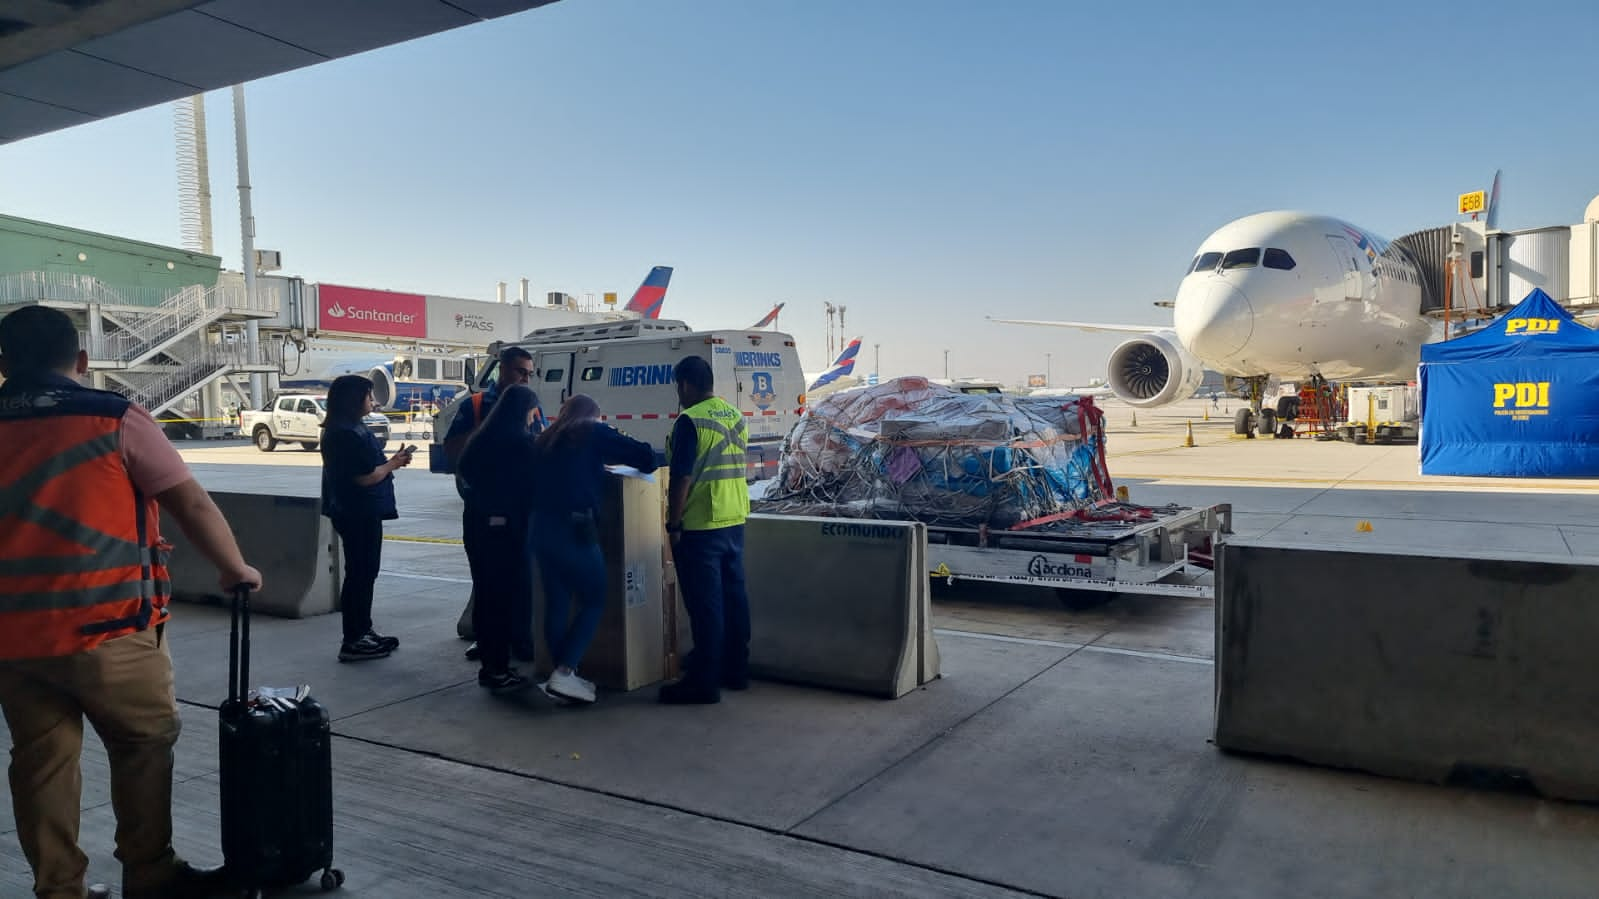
<point>626,366</point>
<point>296,418</point>
<point>1384,414</point>
<point>1117,548</point>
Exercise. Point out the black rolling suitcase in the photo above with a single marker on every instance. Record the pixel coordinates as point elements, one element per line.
<point>277,779</point>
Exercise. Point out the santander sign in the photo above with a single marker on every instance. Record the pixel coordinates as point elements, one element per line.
<point>356,310</point>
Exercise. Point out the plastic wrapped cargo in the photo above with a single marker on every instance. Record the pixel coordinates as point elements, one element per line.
<point>910,449</point>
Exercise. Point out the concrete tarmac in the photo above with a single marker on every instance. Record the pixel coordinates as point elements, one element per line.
<point>1063,753</point>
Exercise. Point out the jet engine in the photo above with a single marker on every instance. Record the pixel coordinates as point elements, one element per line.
<point>384,391</point>
<point>1153,370</point>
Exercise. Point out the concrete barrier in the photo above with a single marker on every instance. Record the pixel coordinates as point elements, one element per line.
<point>1423,667</point>
<point>840,604</point>
<point>285,537</point>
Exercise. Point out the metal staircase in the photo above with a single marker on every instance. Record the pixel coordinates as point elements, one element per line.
<point>155,344</point>
<point>158,388</point>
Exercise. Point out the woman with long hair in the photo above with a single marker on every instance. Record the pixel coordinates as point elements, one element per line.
<point>571,456</point>
<point>497,462</point>
<point>358,495</point>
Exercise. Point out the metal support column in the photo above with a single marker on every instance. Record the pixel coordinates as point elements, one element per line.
<point>252,330</point>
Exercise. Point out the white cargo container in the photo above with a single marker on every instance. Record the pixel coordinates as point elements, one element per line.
<point>1382,414</point>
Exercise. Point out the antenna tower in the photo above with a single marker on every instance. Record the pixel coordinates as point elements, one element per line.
<point>194,174</point>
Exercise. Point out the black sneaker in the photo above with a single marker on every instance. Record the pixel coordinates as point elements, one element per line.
<point>389,643</point>
<point>685,693</point>
<point>503,682</point>
<point>473,653</point>
<point>365,648</point>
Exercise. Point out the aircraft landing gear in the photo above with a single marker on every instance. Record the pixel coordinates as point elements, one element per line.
<point>1248,422</point>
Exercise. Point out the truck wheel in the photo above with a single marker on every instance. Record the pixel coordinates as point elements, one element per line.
<point>309,446</point>
<point>1243,421</point>
<point>264,441</point>
<point>1268,423</point>
<point>1360,436</point>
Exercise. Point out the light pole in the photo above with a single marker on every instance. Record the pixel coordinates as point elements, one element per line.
<point>946,365</point>
<point>877,363</point>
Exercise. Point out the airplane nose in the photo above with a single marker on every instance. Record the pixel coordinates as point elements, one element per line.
<point>1214,319</point>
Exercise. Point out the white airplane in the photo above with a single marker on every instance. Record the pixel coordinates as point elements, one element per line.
<point>1290,295</point>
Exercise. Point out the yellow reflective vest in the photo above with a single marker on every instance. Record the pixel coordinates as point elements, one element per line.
<point>719,497</point>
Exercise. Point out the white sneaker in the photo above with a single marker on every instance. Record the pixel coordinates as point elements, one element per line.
<point>569,686</point>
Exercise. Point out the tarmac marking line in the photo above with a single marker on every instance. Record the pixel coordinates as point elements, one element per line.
<point>407,538</point>
<point>1086,647</point>
<point>426,577</point>
<point>1350,482</point>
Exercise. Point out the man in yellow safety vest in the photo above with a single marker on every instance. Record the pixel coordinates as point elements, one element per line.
<point>706,507</point>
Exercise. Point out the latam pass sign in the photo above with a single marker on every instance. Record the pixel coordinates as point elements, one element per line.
<point>471,321</point>
<point>357,310</point>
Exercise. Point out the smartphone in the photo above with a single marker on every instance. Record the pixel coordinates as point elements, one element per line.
<point>409,448</point>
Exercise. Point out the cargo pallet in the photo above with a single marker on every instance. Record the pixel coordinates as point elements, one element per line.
<point>1145,556</point>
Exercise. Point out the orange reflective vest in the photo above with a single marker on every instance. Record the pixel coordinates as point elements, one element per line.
<point>81,558</point>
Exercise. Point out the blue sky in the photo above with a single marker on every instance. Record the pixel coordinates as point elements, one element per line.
<point>923,163</point>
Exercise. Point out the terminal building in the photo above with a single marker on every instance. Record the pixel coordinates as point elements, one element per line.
<point>170,328</point>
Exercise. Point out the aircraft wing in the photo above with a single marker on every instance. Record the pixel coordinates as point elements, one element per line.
<point>1085,326</point>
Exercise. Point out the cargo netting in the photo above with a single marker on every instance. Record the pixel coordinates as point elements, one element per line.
<point>911,449</point>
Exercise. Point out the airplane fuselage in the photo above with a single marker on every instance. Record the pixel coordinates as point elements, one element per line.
<point>1293,295</point>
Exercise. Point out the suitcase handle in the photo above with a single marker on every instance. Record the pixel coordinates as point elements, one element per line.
<point>239,645</point>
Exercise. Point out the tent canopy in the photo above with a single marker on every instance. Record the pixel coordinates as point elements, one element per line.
<point>1536,327</point>
<point>1519,398</point>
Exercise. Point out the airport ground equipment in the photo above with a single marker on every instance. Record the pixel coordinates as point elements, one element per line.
<point>1115,548</point>
<point>296,418</point>
<point>626,367</point>
<point>1012,490</point>
<point>1382,414</point>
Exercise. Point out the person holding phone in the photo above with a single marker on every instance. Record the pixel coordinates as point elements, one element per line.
<point>358,495</point>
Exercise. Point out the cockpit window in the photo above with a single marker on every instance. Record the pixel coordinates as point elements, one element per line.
<point>1241,259</point>
<point>1279,259</point>
<point>1206,262</point>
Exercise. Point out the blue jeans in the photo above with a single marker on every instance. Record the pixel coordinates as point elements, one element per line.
<point>570,563</point>
<point>710,571</point>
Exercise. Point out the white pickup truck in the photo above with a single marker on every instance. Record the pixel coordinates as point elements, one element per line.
<point>296,418</point>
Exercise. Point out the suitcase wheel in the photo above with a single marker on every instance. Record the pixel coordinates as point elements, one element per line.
<point>332,879</point>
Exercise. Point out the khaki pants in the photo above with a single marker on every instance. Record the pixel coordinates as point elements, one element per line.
<point>124,687</point>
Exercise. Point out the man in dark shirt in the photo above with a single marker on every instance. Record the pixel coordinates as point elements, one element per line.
<point>707,504</point>
<point>516,367</point>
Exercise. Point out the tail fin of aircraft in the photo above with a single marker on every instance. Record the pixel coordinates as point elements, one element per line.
<point>651,295</point>
<point>771,317</point>
<point>843,365</point>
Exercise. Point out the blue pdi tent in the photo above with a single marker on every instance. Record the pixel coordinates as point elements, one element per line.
<point>1519,398</point>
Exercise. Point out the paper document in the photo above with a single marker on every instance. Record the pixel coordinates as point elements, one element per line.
<point>628,471</point>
